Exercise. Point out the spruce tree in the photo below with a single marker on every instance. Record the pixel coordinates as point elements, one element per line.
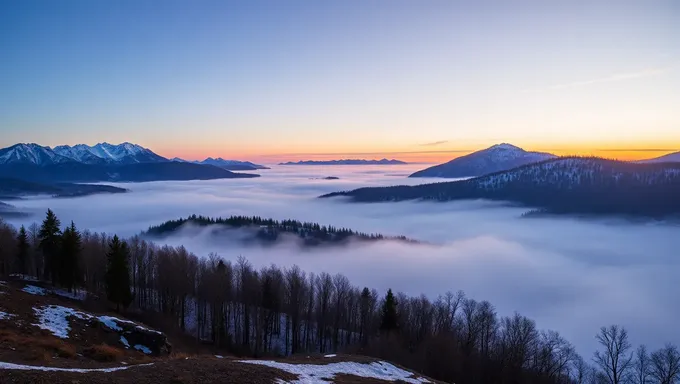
<point>50,236</point>
<point>69,267</point>
<point>22,251</point>
<point>389,313</point>
<point>118,274</point>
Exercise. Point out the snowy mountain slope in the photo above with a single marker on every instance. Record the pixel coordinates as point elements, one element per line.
<point>102,153</point>
<point>562,185</point>
<point>499,157</point>
<point>669,158</point>
<point>30,154</point>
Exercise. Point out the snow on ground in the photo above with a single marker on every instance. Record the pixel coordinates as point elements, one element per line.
<point>23,277</point>
<point>5,315</point>
<point>33,290</point>
<point>54,318</point>
<point>219,356</point>
<point>143,348</point>
<point>76,295</point>
<point>3,283</point>
<point>332,355</point>
<point>77,370</point>
<point>321,374</point>
<point>124,341</point>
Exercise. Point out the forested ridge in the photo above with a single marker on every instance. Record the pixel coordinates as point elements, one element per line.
<point>578,185</point>
<point>270,229</point>
<point>273,310</point>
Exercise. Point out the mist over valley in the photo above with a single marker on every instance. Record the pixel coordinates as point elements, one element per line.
<point>570,275</point>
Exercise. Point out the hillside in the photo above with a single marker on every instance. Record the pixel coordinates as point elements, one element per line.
<point>51,336</point>
<point>72,172</point>
<point>669,158</point>
<point>269,231</point>
<point>12,188</point>
<point>564,185</point>
<point>497,158</point>
<point>346,162</point>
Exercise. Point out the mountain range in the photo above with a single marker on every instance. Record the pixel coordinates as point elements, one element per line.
<point>497,158</point>
<point>571,185</point>
<point>230,165</point>
<point>669,158</point>
<point>103,162</point>
<point>346,162</point>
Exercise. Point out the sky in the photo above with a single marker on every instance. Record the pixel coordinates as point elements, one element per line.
<point>274,80</point>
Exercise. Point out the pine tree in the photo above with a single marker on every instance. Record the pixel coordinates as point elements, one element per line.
<point>118,274</point>
<point>50,236</point>
<point>389,313</point>
<point>22,251</point>
<point>69,267</point>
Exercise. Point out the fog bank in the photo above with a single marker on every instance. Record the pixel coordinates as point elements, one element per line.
<point>569,275</point>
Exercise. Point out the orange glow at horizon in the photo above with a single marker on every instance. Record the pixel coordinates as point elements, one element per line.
<point>416,155</point>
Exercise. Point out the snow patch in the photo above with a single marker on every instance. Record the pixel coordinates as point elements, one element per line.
<point>21,367</point>
<point>75,295</point>
<point>143,348</point>
<point>323,374</point>
<point>33,290</point>
<point>219,356</point>
<point>23,277</point>
<point>332,355</point>
<point>5,315</point>
<point>124,341</point>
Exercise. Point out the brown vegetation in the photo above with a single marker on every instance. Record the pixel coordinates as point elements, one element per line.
<point>103,353</point>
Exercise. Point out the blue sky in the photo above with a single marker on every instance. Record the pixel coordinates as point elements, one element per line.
<point>279,78</point>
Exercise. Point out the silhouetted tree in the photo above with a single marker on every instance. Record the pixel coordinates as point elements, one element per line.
<point>665,365</point>
<point>69,263</point>
<point>615,361</point>
<point>389,321</point>
<point>118,274</point>
<point>50,237</point>
<point>23,248</point>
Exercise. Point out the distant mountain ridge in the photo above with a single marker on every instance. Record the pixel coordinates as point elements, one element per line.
<point>496,158</point>
<point>571,185</point>
<point>230,165</point>
<point>669,158</point>
<point>345,162</point>
<point>102,153</point>
<point>81,163</point>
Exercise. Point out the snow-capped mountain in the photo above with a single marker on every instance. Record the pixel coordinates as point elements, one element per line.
<point>499,157</point>
<point>30,154</point>
<point>669,158</point>
<point>102,153</point>
<point>562,185</point>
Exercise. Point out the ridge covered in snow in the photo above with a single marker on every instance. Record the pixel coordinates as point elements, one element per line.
<point>102,153</point>
<point>499,157</point>
<point>669,158</point>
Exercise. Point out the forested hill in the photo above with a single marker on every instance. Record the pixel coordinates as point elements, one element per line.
<point>572,185</point>
<point>270,230</point>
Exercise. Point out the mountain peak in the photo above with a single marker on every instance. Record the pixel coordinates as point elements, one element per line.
<point>506,146</point>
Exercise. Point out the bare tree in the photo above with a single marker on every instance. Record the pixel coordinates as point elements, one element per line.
<point>665,365</point>
<point>615,361</point>
<point>641,366</point>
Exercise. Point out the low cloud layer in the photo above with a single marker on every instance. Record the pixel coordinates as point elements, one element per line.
<point>569,275</point>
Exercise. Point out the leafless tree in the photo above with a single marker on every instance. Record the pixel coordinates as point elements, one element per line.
<point>665,365</point>
<point>615,361</point>
<point>641,366</point>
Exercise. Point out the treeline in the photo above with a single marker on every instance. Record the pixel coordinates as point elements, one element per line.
<point>269,229</point>
<point>272,310</point>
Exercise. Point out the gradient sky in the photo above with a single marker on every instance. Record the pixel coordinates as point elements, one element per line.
<point>274,80</point>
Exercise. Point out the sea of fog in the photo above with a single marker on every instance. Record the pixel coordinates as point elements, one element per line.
<point>569,275</point>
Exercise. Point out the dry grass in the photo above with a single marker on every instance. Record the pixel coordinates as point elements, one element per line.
<point>39,344</point>
<point>103,353</point>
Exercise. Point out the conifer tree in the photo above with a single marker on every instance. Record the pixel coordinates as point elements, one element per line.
<point>389,313</point>
<point>118,274</point>
<point>69,266</point>
<point>50,236</point>
<point>22,251</point>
